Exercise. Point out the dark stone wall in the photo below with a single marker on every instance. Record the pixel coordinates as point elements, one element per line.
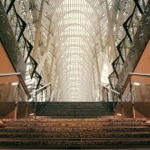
<point>141,39</point>
<point>10,44</point>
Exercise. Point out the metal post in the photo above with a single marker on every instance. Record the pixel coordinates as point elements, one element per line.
<point>122,108</point>
<point>35,100</point>
<point>102,93</point>
<point>46,95</point>
<point>16,102</point>
<point>113,106</point>
<point>99,92</point>
<point>107,99</point>
<point>16,110</point>
<point>27,109</point>
<point>133,109</point>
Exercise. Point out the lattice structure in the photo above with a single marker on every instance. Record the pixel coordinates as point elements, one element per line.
<point>75,42</point>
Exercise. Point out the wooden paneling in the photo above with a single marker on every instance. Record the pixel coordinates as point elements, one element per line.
<point>6,67</point>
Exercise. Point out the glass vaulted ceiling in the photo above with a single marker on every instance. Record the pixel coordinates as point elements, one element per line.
<point>75,26</point>
<point>75,44</point>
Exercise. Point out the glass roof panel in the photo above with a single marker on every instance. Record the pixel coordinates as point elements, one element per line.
<point>75,36</point>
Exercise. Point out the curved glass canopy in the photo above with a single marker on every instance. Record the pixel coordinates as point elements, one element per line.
<point>75,26</point>
<point>80,46</point>
<point>74,43</point>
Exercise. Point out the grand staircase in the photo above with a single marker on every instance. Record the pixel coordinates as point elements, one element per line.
<point>65,125</point>
<point>75,133</point>
<point>74,109</point>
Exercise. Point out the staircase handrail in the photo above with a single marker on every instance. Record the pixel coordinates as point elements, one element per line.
<point>129,78</point>
<point>20,79</point>
<point>10,74</point>
<point>114,91</point>
<point>139,74</point>
<point>37,90</point>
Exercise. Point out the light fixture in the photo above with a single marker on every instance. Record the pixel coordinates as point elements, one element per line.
<point>119,114</point>
<point>32,114</point>
<point>14,83</point>
<point>136,83</point>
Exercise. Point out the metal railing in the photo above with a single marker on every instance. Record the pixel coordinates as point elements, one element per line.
<point>130,26</point>
<point>136,90</point>
<point>40,95</point>
<point>110,95</point>
<point>13,89</point>
<point>19,26</point>
<point>20,81</point>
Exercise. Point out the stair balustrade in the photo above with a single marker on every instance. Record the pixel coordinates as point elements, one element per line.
<point>13,90</point>
<point>131,26</point>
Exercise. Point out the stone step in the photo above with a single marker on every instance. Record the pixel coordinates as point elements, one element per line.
<point>43,143</point>
<point>44,120</point>
<point>75,135</point>
<point>75,105</point>
<point>73,129</point>
<point>74,109</point>
<point>73,112</point>
<point>71,124</point>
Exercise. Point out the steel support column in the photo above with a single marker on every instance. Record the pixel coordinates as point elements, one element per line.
<point>37,34</point>
<point>111,34</point>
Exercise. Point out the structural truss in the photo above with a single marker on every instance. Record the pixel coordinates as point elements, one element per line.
<point>75,43</point>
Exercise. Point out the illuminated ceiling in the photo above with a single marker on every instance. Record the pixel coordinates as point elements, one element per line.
<point>74,43</point>
<point>77,39</point>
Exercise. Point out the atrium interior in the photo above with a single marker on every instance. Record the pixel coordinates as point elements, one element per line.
<point>76,59</point>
